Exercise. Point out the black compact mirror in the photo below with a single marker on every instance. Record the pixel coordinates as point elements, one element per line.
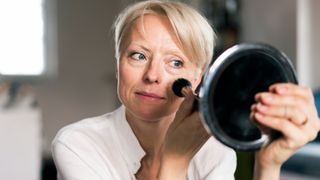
<point>228,89</point>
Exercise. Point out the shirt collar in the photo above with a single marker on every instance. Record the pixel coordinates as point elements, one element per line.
<point>132,150</point>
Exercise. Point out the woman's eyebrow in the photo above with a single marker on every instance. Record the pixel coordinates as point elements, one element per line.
<point>140,45</point>
<point>172,51</point>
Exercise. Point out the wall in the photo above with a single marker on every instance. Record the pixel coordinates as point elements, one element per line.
<point>291,26</point>
<point>309,42</point>
<point>272,22</point>
<point>85,85</point>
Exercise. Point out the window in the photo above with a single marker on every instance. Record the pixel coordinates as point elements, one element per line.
<point>23,39</point>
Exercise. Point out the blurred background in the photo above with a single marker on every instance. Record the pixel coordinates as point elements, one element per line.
<point>57,66</point>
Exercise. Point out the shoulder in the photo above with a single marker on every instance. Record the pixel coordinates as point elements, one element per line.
<point>214,158</point>
<point>86,129</point>
<point>88,148</point>
<point>215,152</point>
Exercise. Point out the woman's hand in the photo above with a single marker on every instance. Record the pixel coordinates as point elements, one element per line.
<point>184,138</point>
<point>289,109</point>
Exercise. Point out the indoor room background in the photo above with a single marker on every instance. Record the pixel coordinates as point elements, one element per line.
<point>78,74</point>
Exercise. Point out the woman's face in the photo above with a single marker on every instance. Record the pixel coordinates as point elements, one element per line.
<point>150,62</point>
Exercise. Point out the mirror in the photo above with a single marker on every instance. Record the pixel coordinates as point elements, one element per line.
<point>228,89</point>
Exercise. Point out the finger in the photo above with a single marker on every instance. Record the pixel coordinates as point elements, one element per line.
<point>275,99</point>
<point>300,92</point>
<point>262,128</point>
<point>299,134</point>
<point>293,107</point>
<point>311,129</point>
<point>265,98</point>
<point>292,89</point>
<point>272,99</point>
<point>287,128</point>
<point>293,113</point>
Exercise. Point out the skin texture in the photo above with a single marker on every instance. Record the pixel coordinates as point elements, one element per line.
<point>168,128</point>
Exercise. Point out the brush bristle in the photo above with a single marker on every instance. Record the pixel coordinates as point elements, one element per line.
<point>179,84</point>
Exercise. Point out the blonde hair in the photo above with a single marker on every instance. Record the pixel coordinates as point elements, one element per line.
<point>195,34</point>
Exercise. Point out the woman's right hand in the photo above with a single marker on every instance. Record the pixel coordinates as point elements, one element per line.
<point>184,138</point>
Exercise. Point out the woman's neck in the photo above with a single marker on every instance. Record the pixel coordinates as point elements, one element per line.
<point>150,133</point>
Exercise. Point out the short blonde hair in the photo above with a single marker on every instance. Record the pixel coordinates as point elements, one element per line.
<point>193,31</point>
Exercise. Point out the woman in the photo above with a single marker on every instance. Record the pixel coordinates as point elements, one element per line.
<point>157,135</point>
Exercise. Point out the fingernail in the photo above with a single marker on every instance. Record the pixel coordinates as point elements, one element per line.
<point>257,96</point>
<point>253,107</point>
<point>282,90</point>
<point>267,98</point>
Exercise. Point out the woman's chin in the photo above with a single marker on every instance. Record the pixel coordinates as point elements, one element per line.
<point>152,114</point>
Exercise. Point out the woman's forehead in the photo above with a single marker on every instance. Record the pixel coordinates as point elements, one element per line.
<point>152,26</point>
<point>154,30</point>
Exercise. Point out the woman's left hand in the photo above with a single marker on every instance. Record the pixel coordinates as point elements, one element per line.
<point>289,109</point>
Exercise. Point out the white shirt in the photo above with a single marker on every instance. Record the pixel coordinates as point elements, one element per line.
<point>105,147</point>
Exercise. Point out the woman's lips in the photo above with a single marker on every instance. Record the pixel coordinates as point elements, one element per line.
<point>150,96</point>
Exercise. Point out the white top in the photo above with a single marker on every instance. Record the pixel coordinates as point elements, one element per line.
<point>105,147</point>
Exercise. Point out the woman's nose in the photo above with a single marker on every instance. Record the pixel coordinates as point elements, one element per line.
<point>153,72</point>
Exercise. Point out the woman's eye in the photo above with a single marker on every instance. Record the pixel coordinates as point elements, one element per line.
<point>176,63</point>
<point>138,56</point>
